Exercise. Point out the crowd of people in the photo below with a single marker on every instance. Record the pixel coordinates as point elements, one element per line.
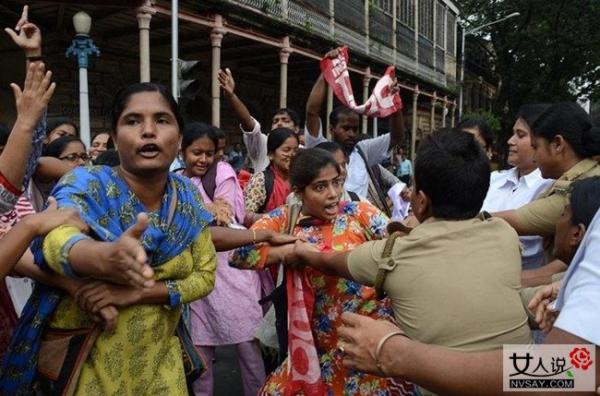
<point>125,264</point>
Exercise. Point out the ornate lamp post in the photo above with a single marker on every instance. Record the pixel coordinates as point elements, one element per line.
<point>81,48</point>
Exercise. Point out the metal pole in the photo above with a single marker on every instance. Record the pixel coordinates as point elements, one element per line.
<point>462,73</point>
<point>175,48</point>
<point>84,107</point>
<point>82,47</point>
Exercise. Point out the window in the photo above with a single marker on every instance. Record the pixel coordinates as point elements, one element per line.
<point>384,5</point>
<point>426,18</point>
<point>451,33</point>
<point>440,12</point>
<point>406,12</point>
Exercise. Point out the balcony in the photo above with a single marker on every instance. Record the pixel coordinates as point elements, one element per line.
<point>374,32</point>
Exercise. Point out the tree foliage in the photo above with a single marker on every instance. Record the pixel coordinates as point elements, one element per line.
<point>551,52</point>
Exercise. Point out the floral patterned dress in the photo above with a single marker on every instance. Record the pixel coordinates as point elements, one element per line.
<point>355,223</point>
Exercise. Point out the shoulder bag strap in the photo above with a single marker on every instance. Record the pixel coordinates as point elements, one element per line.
<point>380,193</point>
<point>382,272</point>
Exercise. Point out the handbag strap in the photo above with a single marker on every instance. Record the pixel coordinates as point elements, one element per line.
<point>382,272</point>
<point>385,207</point>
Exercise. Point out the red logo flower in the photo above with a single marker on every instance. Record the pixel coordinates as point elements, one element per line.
<point>580,357</point>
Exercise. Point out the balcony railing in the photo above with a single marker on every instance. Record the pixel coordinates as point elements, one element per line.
<point>346,23</point>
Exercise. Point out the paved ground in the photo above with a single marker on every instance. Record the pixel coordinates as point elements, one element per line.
<point>227,373</point>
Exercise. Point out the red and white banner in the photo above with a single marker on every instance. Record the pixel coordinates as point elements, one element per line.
<point>383,100</point>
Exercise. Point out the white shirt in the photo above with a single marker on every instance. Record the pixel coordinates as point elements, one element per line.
<point>507,191</point>
<point>375,149</point>
<point>256,145</point>
<point>579,297</point>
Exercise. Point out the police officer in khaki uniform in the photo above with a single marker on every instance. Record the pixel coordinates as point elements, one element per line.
<point>565,143</point>
<point>455,279</point>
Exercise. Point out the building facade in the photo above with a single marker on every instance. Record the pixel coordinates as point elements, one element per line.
<point>271,46</point>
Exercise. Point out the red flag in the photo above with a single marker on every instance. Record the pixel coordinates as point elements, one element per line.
<point>382,101</point>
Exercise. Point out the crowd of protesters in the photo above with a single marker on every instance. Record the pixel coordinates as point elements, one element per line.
<point>124,264</point>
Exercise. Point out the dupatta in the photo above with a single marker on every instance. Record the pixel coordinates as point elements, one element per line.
<point>107,205</point>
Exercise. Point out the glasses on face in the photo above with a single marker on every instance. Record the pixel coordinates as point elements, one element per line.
<point>74,157</point>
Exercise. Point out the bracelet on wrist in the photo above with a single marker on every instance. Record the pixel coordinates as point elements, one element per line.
<point>379,347</point>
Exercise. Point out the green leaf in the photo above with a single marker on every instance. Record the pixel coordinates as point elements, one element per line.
<point>569,374</point>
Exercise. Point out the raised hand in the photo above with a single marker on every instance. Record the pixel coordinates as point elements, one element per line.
<point>125,261</point>
<point>26,35</point>
<point>44,222</point>
<point>226,81</point>
<point>333,53</point>
<point>35,95</point>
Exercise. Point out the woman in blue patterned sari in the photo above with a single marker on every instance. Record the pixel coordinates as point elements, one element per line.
<point>149,251</point>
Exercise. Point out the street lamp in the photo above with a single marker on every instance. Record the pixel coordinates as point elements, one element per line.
<point>462,54</point>
<point>82,47</point>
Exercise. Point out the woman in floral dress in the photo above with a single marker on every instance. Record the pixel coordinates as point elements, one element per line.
<point>317,300</point>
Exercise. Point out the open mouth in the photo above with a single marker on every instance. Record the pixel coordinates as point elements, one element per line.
<point>331,209</point>
<point>149,151</point>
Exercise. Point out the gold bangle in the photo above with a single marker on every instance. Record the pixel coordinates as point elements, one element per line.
<point>380,344</point>
<point>253,236</point>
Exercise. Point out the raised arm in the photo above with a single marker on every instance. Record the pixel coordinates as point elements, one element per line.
<point>397,128</point>
<point>240,110</point>
<point>29,145</point>
<point>314,104</point>
<point>14,244</point>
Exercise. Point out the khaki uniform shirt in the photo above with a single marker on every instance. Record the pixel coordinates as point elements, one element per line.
<point>452,283</point>
<point>540,216</point>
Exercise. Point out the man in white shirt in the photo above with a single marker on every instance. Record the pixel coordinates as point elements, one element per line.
<point>344,129</point>
<point>254,139</point>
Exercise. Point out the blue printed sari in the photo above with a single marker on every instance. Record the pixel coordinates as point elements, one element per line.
<point>107,205</point>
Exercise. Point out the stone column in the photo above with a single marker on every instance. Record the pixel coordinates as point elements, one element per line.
<point>444,111</point>
<point>432,118</point>
<point>413,127</point>
<point>284,56</point>
<point>365,96</point>
<point>375,121</point>
<point>216,38</point>
<point>144,16</point>
<point>453,115</point>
